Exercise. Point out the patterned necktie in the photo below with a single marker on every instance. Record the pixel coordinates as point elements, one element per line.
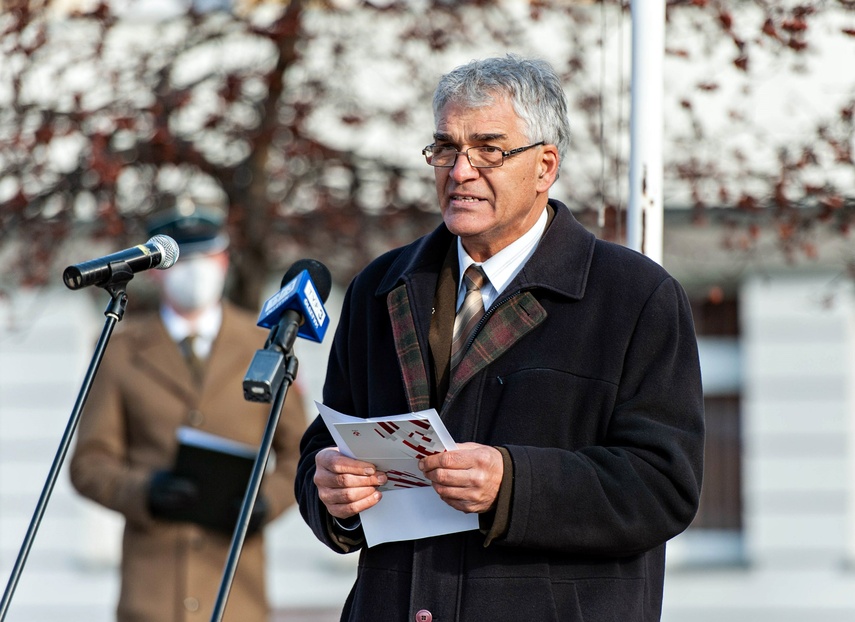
<point>469,313</point>
<point>196,364</point>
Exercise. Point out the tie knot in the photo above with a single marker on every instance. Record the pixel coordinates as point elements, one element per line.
<point>474,278</point>
<point>194,361</point>
<point>470,312</point>
<point>188,345</point>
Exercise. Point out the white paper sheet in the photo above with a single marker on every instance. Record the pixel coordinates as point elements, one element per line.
<point>410,508</point>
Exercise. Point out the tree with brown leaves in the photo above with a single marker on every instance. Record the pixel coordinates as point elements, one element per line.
<point>305,119</point>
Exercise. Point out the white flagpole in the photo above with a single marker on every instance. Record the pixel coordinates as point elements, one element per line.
<point>645,212</point>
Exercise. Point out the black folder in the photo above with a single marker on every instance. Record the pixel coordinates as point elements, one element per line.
<point>221,469</point>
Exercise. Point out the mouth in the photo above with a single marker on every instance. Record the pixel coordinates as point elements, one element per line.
<point>463,199</point>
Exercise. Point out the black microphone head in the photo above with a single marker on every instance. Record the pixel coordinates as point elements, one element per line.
<point>318,272</point>
<point>168,250</point>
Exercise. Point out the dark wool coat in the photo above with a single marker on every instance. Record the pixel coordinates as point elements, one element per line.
<point>144,390</point>
<point>586,371</point>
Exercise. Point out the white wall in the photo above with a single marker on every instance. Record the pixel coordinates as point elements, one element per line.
<point>798,417</point>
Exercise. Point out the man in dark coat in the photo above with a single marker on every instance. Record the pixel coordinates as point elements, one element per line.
<point>576,402</point>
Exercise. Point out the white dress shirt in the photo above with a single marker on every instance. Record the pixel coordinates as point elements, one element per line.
<point>205,327</point>
<point>502,267</point>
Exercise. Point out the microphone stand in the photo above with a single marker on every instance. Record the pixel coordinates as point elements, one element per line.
<point>290,365</point>
<point>114,312</point>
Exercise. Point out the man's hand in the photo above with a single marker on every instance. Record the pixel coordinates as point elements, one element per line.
<point>345,485</point>
<point>169,494</point>
<point>466,478</point>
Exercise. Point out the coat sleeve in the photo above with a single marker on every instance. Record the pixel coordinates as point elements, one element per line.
<point>337,395</point>
<point>641,485</point>
<point>99,467</point>
<point>277,487</point>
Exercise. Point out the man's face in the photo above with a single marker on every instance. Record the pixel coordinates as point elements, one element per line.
<point>195,282</point>
<point>491,207</point>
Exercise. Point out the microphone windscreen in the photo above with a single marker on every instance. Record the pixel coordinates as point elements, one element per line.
<point>168,250</point>
<point>318,272</point>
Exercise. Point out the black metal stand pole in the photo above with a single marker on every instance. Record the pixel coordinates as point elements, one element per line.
<point>254,485</point>
<point>115,311</point>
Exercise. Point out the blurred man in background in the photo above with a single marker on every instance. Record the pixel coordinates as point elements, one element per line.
<point>183,368</point>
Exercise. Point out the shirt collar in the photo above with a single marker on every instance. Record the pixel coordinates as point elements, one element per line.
<point>502,267</point>
<point>206,326</point>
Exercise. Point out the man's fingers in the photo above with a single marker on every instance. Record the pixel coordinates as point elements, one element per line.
<point>329,479</point>
<point>345,496</point>
<point>465,499</point>
<point>455,459</point>
<point>467,478</point>
<point>458,477</point>
<point>346,486</point>
<point>338,471</point>
<point>345,502</point>
<point>469,462</point>
<point>333,460</point>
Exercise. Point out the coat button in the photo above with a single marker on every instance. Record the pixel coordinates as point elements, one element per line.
<point>424,616</point>
<point>197,542</point>
<point>195,418</point>
<point>191,604</point>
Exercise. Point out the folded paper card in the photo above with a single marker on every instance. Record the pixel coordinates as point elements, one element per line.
<point>410,509</point>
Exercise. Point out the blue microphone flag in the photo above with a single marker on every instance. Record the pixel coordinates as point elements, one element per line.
<point>301,295</point>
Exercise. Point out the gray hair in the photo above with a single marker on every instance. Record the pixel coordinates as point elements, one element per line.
<point>531,85</point>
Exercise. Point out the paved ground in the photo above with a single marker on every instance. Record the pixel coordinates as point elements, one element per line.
<point>306,615</point>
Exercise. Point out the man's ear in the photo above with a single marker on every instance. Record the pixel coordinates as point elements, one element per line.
<point>547,168</point>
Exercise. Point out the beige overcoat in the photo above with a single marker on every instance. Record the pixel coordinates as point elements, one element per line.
<point>143,391</point>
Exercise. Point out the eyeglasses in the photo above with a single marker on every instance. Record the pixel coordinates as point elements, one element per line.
<point>444,156</point>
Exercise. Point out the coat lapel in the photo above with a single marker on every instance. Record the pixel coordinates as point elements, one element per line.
<point>503,328</point>
<point>409,353</point>
<point>159,358</point>
<point>228,349</point>
<point>507,325</point>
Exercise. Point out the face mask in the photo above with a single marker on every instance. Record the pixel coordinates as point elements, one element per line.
<point>195,283</point>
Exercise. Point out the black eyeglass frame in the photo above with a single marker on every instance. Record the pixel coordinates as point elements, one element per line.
<point>427,153</point>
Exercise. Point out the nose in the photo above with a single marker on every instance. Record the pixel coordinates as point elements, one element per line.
<point>462,169</point>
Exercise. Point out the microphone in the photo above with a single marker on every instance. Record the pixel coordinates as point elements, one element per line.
<point>296,310</point>
<point>304,289</point>
<point>159,252</point>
